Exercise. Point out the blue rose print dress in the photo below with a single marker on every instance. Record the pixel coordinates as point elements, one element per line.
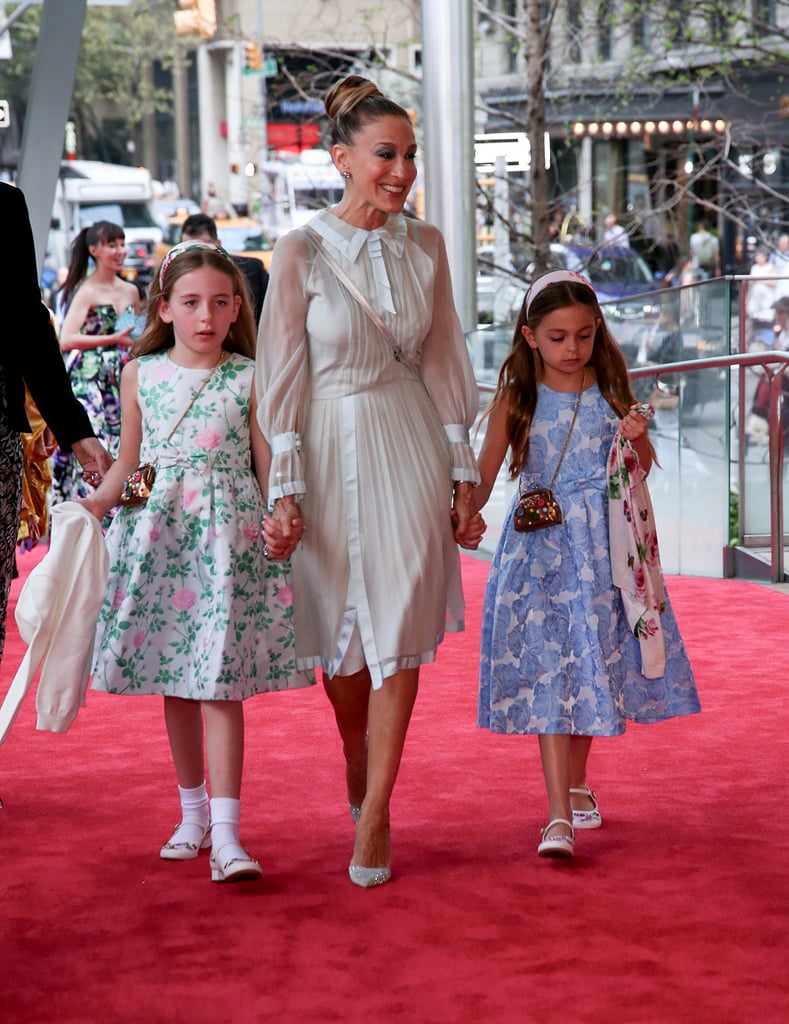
<point>557,654</point>
<point>193,609</point>
<point>95,376</point>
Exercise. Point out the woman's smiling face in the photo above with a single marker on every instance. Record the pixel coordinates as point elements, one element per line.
<point>381,163</point>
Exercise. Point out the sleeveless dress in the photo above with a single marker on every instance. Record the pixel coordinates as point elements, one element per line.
<point>557,655</point>
<point>95,376</point>
<point>193,609</point>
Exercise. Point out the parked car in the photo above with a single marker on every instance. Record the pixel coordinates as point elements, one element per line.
<point>241,236</point>
<point>167,207</point>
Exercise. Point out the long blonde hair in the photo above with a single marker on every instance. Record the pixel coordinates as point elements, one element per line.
<point>523,370</point>
<point>159,336</point>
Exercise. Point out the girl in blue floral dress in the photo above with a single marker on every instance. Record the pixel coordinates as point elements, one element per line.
<point>94,344</point>
<point>195,610</point>
<point>560,657</point>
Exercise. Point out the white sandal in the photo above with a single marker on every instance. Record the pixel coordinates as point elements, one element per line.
<point>586,819</point>
<point>186,842</point>
<point>558,845</point>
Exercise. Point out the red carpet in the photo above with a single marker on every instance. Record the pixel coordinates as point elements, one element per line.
<point>675,911</point>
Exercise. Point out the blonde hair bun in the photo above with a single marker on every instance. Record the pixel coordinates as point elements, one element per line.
<point>347,94</point>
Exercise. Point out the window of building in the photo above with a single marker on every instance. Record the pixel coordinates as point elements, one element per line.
<point>574,29</point>
<point>640,29</point>
<point>764,14</point>
<point>605,46</point>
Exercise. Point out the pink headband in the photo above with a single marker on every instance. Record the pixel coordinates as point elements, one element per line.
<point>185,247</point>
<point>555,277</point>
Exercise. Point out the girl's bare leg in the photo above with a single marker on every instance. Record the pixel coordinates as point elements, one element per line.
<point>224,734</point>
<point>555,751</point>
<point>184,721</point>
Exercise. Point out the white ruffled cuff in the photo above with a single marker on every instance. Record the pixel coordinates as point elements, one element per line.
<point>464,461</point>
<point>286,475</point>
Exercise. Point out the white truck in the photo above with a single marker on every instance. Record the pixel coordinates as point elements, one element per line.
<point>88,191</point>
<point>295,187</point>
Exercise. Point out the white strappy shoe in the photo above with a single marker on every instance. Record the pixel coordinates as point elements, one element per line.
<point>558,845</point>
<point>590,818</point>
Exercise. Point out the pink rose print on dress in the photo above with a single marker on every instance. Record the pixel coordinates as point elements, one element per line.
<point>119,598</point>
<point>208,439</point>
<point>650,627</point>
<point>640,581</point>
<point>154,533</point>
<point>285,595</point>
<point>251,531</point>
<point>139,638</point>
<point>190,494</point>
<point>184,598</point>
<point>653,551</point>
<point>165,370</point>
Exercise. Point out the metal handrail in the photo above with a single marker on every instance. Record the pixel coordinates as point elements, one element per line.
<point>773,364</point>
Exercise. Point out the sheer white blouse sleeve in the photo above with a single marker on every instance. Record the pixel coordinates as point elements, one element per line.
<point>282,368</point>
<point>446,365</point>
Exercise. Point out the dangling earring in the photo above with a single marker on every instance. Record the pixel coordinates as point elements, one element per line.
<point>346,175</point>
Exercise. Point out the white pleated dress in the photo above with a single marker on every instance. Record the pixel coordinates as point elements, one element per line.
<point>369,449</point>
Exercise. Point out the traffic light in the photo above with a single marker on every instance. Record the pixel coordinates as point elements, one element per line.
<point>198,18</point>
<point>253,57</point>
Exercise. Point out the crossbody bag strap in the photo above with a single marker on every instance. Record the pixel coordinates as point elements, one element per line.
<point>194,398</point>
<point>360,298</point>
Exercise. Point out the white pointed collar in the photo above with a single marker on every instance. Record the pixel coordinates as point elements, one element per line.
<point>350,240</point>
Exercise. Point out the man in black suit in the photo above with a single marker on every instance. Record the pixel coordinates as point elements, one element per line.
<point>202,228</point>
<point>30,355</point>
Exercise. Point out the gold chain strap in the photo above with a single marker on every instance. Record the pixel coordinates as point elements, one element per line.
<point>567,439</point>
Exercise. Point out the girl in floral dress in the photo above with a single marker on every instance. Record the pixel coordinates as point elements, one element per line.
<point>95,349</point>
<point>577,633</point>
<point>195,610</point>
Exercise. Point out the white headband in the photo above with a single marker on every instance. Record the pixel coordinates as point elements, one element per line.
<point>555,277</point>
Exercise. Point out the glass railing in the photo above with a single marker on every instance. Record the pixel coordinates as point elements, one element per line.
<point>710,443</point>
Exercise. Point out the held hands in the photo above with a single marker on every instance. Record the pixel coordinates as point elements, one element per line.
<point>467,523</point>
<point>94,459</point>
<point>282,529</point>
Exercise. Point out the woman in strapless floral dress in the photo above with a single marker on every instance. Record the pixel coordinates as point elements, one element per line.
<point>94,349</point>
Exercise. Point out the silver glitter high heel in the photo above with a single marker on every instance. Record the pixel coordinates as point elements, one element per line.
<point>366,878</point>
<point>356,813</point>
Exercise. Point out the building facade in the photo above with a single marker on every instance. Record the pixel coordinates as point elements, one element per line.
<point>659,113</point>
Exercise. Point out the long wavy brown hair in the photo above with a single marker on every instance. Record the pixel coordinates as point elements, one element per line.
<point>523,369</point>
<point>159,336</point>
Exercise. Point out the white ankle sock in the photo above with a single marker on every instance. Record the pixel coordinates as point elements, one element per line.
<point>194,804</point>
<point>225,819</point>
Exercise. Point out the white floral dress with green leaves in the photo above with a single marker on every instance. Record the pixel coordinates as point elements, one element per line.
<point>193,609</point>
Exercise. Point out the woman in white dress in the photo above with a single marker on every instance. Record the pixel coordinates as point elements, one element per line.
<point>372,468</point>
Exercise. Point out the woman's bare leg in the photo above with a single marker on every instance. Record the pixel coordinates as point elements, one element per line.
<point>350,698</point>
<point>389,715</point>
